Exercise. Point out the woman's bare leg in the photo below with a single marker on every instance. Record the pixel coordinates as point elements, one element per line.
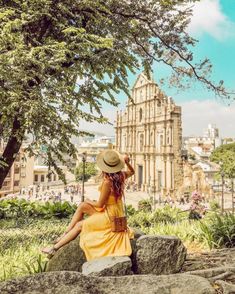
<point>71,235</point>
<point>83,208</point>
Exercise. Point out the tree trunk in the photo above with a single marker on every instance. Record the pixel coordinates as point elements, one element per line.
<point>11,150</point>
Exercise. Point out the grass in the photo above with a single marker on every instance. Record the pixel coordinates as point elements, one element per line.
<point>20,245</point>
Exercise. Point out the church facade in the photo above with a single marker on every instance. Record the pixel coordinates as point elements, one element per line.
<point>150,131</point>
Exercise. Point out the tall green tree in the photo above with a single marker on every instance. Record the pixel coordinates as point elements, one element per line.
<point>47,45</point>
<point>225,156</point>
<point>90,170</point>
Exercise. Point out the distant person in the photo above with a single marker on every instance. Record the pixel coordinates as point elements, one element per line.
<point>197,209</point>
<point>98,235</point>
<point>181,200</point>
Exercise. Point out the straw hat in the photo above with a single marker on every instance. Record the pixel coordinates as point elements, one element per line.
<point>110,161</point>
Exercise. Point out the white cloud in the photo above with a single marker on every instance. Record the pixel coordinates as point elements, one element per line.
<point>196,115</point>
<point>209,18</point>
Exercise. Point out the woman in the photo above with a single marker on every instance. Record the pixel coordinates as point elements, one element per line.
<point>96,237</point>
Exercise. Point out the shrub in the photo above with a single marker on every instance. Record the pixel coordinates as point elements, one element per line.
<point>140,219</point>
<point>168,214</point>
<point>130,210</point>
<point>23,209</point>
<point>145,205</point>
<point>219,230</point>
<point>214,205</point>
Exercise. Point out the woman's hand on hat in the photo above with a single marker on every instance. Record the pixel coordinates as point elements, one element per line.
<point>126,158</point>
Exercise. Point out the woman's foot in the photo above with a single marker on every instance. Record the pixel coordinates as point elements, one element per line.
<point>50,251</point>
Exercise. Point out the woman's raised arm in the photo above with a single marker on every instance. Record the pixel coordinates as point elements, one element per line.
<point>130,170</point>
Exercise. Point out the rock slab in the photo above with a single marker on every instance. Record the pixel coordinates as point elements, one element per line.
<point>158,255</point>
<point>108,266</point>
<point>74,282</point>
<point>69,258</point>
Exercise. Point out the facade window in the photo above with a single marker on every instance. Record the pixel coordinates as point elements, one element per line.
<point>54,177</point>
<point>168,138</point>
<point>17,159</point>
<point>35,178</point>
<point>17,170</point>
<point>5,183</point>
<point>140,114</point>
<point>16,183</point>
<point>159,174</point>
<point>141,142</point>
<point>49,177</point>
<point>161,140</point>
<point>151,138</point>
<point>42,178</point>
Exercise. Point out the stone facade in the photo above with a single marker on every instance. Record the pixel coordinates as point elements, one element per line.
<point>150,131</point>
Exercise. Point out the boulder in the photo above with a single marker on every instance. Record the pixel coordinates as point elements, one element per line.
<point>137,233</point>
<point>226,288</point>
<point>158,255</point>
<point>69,258</point>
<point>108,266</point>
<point>74,282</point>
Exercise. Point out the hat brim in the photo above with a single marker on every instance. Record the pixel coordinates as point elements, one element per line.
<point>109,169</point>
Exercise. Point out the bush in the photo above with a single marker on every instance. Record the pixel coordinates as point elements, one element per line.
<point>214,205</point>
<point>145,205</point>
<point>140,219</point>
<point>166,215</point>
<point>219,230</point>
<point>130,210</point>
<point>23,209</point>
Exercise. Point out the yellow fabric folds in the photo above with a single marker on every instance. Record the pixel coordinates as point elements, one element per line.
<point>97,239</point>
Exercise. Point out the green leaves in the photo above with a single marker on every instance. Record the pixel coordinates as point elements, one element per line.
<point>45,45</point>
<point>24,209</point>
<point>90,170</point>
<point>219,230</point>
<point>225,156</point>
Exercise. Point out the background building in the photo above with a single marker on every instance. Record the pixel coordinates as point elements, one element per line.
<point>150,131</point>
<point>93,147</point>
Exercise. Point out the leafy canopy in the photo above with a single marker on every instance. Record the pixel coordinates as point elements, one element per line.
<point>46,46</point>
<point>90,170</point>
<point>225,156</point>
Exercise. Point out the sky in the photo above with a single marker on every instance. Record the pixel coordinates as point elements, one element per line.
<point>213,25</point>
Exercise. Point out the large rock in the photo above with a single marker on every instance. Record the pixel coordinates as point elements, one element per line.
<point>71,257</point>
<point>108,266</point>
<point>68,258</point>
<point>74,282</point>
<point>158,255</point>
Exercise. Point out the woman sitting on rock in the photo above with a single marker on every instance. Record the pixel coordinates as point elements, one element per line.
<point>97,238</point>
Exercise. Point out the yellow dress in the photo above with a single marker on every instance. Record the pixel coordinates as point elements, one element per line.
<point>97,239</point>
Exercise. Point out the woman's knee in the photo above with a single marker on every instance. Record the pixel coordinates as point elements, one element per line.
<point>79,226</point>
<point>84,206</point>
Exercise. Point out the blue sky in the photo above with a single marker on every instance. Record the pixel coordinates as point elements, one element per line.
<point>213,25</point>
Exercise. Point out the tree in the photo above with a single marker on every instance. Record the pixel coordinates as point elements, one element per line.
<point>225,156</point>
<point>90,170</point>
<point>47,45</point>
